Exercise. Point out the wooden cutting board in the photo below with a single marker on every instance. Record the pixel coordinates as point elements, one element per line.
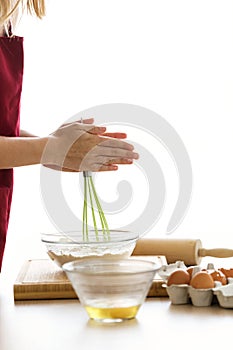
<point>42,279</point>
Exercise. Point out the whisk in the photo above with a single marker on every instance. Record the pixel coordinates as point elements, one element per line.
<point>91,197</point>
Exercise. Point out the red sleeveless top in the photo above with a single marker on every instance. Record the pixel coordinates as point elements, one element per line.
<point>11,75</point>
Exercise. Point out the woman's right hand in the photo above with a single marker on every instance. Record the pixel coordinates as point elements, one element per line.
<point>84,147</point>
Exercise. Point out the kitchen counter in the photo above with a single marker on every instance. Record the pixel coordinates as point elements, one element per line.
<point>64,324</point>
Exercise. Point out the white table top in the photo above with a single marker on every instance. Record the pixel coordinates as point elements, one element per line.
<point>64,324</point>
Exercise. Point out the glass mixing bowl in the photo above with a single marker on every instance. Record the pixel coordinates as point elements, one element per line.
<point>63,247</point>
<point>111,290</point>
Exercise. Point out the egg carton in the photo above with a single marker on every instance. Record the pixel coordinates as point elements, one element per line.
<point>181,294</point>
<point>165,270</point>
<point>225,294</point>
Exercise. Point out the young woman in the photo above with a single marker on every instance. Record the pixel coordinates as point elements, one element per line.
<point>68,148</point>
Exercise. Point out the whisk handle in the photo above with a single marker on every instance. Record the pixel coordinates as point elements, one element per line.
<point>87,173</point>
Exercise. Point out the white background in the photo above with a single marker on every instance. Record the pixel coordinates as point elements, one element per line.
<point>173,57</point>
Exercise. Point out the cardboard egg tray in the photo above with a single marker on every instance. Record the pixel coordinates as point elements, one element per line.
<point>180,294</point>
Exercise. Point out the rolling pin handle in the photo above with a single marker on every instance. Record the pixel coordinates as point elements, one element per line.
<point>217,253</point>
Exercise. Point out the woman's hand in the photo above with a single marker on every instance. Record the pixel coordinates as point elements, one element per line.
<point>85,147</point>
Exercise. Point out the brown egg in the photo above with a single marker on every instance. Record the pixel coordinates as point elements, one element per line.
<point>227,272</point>
<point>178,277</point>
<point>190,271</point>
<point>218,275</point>
<point>202,280</point>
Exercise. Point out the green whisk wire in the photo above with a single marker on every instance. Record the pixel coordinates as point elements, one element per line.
<point>100,210</point>
<point>92,209</point>
<point>91,197</point>
<point>89,188</point>
<point>85,218</point>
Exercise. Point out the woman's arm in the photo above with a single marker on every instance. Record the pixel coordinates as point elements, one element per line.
<point>24,133</point>
<point>20,151</point>
<point>75,146</point>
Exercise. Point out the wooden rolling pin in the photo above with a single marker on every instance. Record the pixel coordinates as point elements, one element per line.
<point>189,251</point>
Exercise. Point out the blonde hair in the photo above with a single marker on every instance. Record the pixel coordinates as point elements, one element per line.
<point>9,8</point>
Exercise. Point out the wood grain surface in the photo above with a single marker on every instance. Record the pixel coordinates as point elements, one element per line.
<point>42,279</point>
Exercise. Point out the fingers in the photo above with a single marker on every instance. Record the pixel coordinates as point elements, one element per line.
<point>87,121</point>
<point>116,135</point>
<point>114,143</point>
<point>87,125</point>
<point>119,161</point>
<point>83,121</point>
<point>91,129</point>
<point>111,165</point>
<point>120,150</point>
<point>96,130</point>
<point>105,168</point>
